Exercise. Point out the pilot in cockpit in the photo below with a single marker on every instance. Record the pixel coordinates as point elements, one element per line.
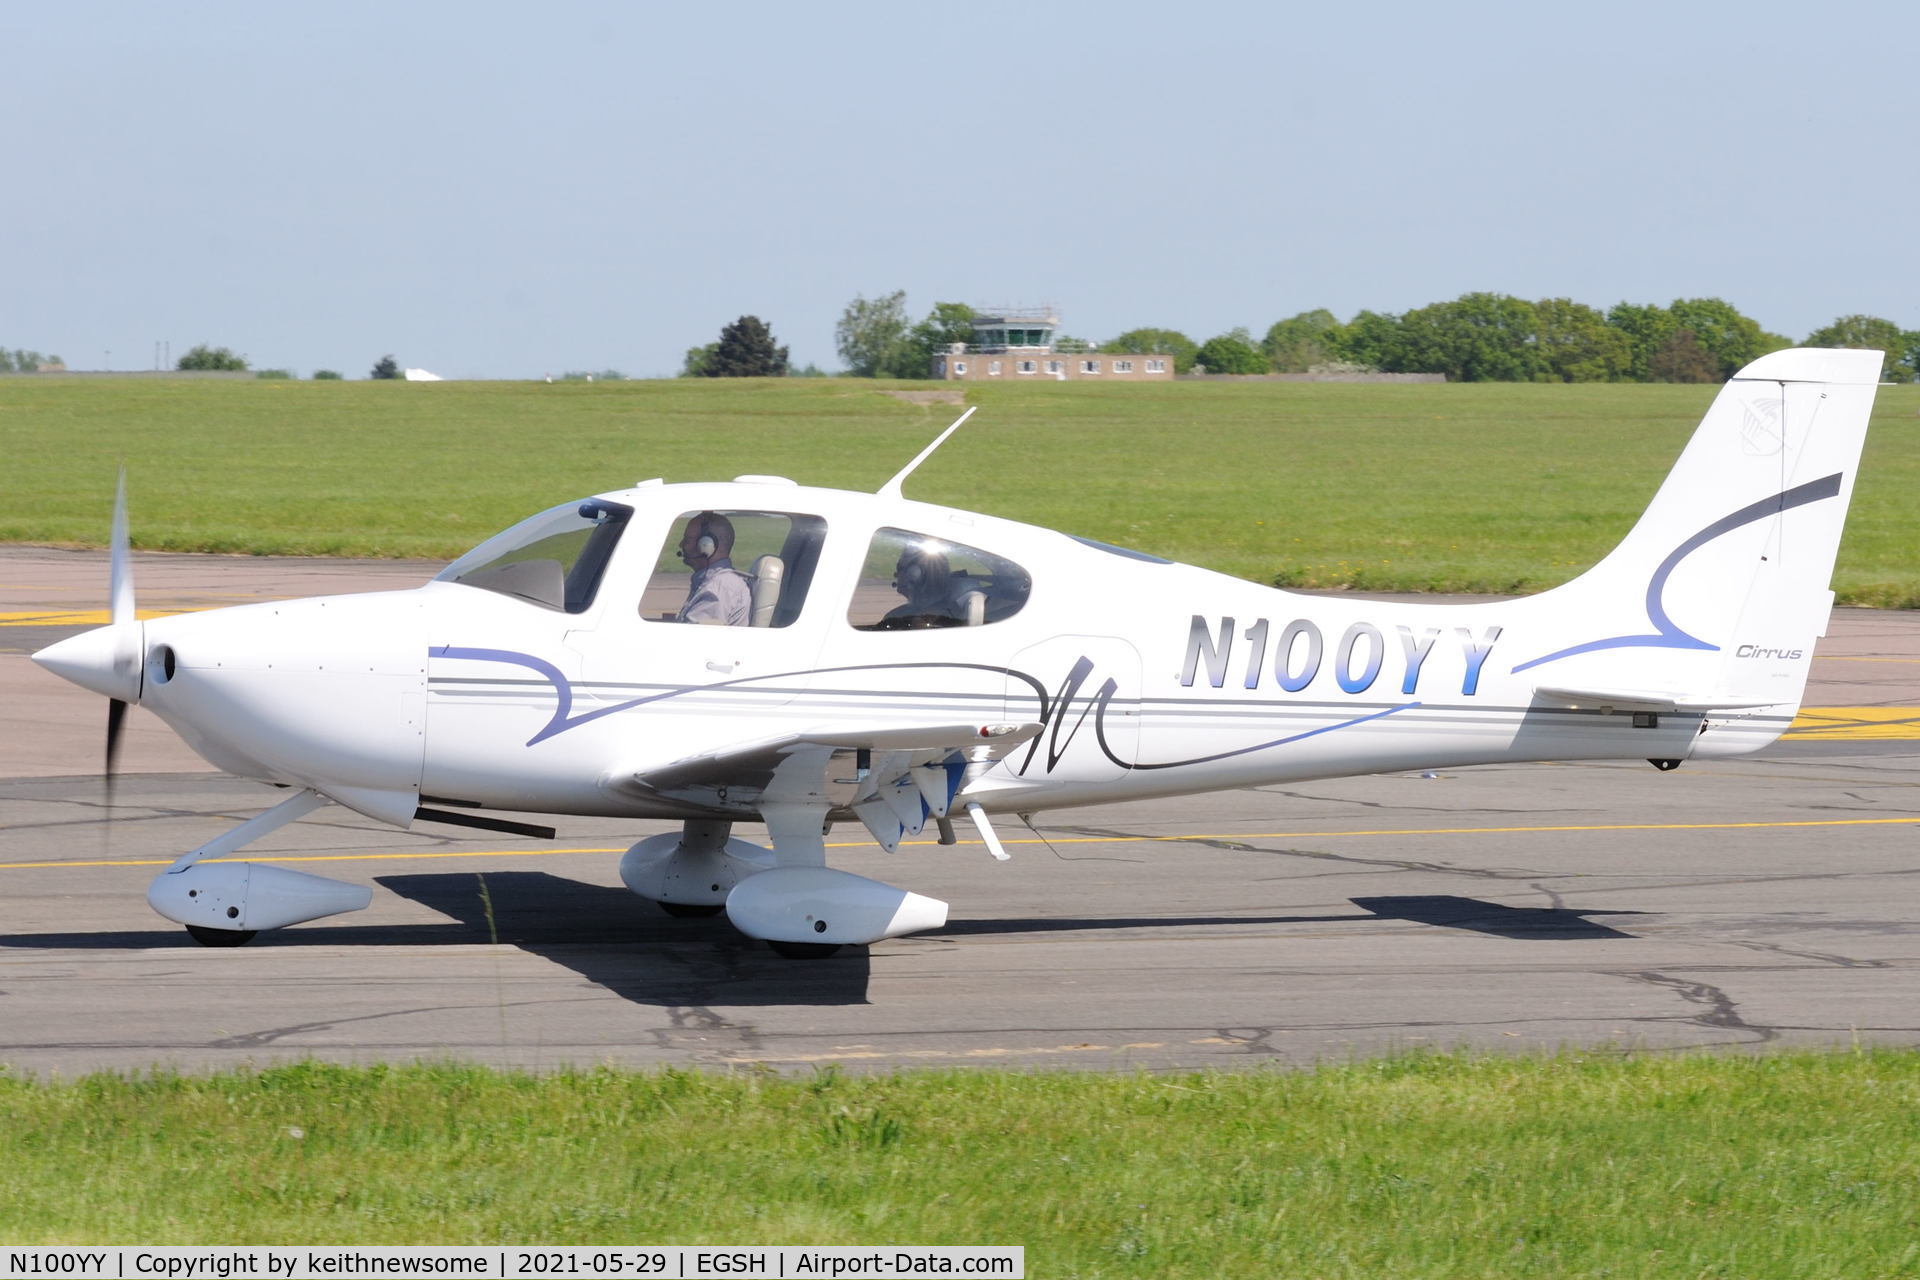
<point>719,593</point>
<point>935,595</point>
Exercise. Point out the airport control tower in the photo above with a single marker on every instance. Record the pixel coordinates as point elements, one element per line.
<point>1015,343</point>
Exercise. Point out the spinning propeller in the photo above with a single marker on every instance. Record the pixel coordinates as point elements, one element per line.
<point>128,649</point>
<point>109,660</point>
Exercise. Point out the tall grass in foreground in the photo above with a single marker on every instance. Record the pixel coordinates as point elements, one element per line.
<point>1793,1165</point>
<point>1460,487</point>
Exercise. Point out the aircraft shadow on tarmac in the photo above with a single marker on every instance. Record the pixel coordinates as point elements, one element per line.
<point>1084,924</point>
<point>605,935</point>
<point>609,938</point>
<point>1443,910</point>
<point>631,949</point>
<point>1528,923</point>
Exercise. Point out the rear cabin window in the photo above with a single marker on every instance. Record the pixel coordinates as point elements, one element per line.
<point>916,582</point>
<point>734,568</point>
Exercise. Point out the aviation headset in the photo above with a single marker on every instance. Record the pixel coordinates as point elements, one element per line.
<point>705,545</point>
<point>915,569</point>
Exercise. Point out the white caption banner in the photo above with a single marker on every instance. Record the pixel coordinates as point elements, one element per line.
<point>516,1262</point>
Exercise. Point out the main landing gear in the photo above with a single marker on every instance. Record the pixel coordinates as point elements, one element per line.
<point>785,896</point>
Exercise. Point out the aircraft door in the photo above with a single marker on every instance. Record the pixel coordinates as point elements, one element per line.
<point>1086,689</point>
<point>714,627</point>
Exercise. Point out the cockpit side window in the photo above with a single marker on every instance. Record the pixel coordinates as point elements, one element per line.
<point>555,559</point>
<point>735,568</point>
<point>914,581</point>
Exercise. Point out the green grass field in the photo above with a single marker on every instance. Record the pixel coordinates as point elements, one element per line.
<point>1794,1165</point>
<point>1468,487</point>
<point>1787,1165</point>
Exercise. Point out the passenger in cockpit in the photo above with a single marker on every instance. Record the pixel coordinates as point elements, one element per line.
<point>935,596</point>
<point>718,593</point>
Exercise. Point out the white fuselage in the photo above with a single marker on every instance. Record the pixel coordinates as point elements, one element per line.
<point>1149,678</point>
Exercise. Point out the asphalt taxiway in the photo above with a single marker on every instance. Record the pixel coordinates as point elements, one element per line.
<point>1764,901</point>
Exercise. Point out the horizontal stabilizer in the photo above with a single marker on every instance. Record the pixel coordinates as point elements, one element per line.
<point>1634,700</point>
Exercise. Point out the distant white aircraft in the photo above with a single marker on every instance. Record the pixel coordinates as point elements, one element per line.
<point>895,664</point>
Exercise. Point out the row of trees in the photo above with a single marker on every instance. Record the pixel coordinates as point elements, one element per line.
<point>1488,337</point>
<point>24,361</point>
<point>876,340</point>
<point>1478,337</point>
<point>206,359</point>
<point>203,358</point>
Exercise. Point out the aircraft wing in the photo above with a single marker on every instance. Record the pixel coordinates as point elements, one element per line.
<point>894,777</point>
<point>1587,699</point>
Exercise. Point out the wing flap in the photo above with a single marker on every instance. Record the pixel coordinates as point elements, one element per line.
<point>893,777</point>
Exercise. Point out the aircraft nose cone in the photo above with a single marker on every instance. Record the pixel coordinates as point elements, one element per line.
<point>105,660</point>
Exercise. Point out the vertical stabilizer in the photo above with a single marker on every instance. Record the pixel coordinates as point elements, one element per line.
<point>1719,592</point>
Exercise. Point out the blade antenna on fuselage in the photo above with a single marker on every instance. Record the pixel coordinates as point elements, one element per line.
<point>891,489</point>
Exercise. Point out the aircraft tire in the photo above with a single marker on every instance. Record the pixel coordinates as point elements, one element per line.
<point>693,910</point>
<point>803,950</point>
<point>220,937</point>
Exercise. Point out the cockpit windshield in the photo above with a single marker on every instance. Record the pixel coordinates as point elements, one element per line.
<point>554,559</point>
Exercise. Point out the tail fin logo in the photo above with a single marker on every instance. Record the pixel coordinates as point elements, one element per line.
<point>1760,433</point>
<point>1666,634</point>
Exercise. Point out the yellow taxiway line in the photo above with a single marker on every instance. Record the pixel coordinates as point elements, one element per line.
<point>1856,722</point>
<point>77,617</point>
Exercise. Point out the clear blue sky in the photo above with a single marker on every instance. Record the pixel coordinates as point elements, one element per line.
<point>495,190</point>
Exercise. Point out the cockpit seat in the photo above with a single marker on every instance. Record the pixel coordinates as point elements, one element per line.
<point>972,604</point>
<point>768,573</point>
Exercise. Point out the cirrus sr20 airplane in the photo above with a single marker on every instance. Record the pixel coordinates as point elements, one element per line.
<point>764,652</point>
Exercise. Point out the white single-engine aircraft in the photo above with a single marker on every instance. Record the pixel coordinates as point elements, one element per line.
<point>889,663</point>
